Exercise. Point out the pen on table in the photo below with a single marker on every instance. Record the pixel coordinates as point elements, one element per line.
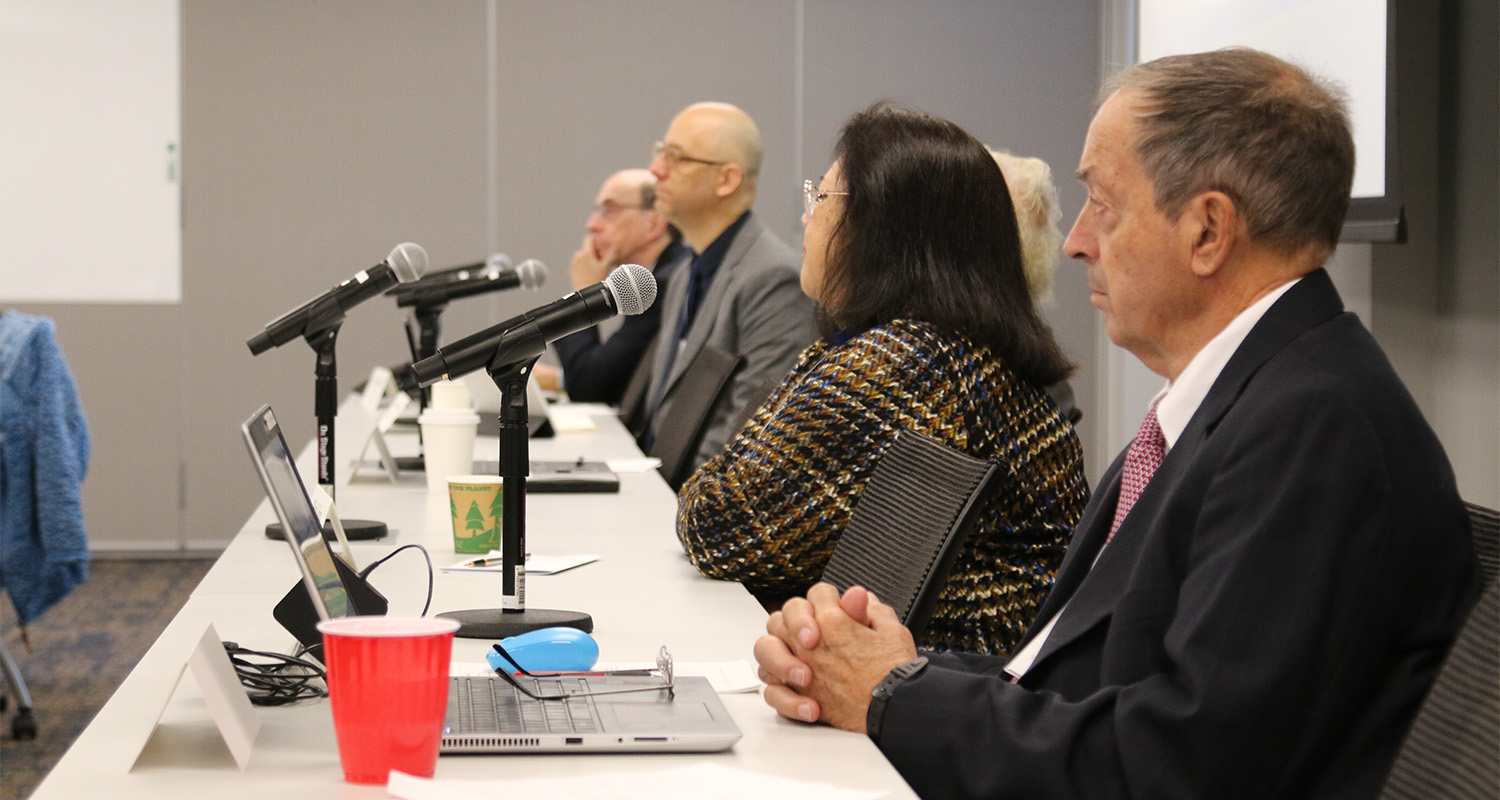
<point>485,562</point>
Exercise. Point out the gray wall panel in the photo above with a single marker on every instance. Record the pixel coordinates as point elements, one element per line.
<point>126,362</point>
<point>316,136</point>
<point>1437,297</point>
<point>585,89</point>
<point>1019,76</point>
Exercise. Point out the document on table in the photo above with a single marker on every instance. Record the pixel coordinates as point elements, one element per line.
<point>698,781</point>
<point>535,565</point>
<point>726,677</point>
<point>644,464</point>
<point>571,419</point>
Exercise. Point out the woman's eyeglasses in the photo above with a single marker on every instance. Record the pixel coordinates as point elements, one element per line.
<point>812,196</point>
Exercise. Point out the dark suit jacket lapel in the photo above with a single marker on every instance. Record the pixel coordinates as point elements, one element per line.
<point>703,324</point>
<point>1090,593</point>
<point>1088,536</point>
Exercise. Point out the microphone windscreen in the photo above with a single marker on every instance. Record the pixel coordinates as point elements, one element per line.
<point>532,273</point>
<point>633,287</point>
<point>408,261</point>
<point>498,261</point>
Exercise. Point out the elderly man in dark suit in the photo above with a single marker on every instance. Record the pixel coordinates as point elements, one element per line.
<point>624,228</point>
<point>741,293</point>
<point>1262,588</point>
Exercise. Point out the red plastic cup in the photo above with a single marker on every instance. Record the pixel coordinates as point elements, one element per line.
<point>388,684</point>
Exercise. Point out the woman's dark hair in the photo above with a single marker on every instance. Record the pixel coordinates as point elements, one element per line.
<point>928,233</point>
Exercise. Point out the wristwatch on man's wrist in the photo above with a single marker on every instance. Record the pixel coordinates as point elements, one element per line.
<point>882,692</point>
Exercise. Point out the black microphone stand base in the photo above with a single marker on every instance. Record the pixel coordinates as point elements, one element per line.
<point>356,530</point>
<point>495,623</point>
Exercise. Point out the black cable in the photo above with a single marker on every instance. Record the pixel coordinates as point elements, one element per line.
<point>365,573</point>
<point>276,679</point>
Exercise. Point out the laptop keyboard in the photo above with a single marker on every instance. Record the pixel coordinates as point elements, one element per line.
<point>486,705</point>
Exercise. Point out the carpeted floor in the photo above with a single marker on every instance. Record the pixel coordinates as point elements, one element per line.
<point>81,651</point>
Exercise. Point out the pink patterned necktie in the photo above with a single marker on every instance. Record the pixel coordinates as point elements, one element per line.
<point>1141,460</point>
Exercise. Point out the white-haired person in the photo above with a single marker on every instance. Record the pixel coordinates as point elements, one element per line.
<point>1039,220</point>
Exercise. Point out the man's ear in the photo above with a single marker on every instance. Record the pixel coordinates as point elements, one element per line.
<point>658,227</point>
<point>731,175</point>
<point>1214,227</point>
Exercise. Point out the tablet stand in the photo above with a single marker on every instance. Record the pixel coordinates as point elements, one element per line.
<point>513,617</point>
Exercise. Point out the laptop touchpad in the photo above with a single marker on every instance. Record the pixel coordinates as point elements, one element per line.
<point>620,717</point>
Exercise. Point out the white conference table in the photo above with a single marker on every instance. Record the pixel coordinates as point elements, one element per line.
<point>642,593</point>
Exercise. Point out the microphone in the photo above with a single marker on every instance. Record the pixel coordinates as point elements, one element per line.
<point>630,289</point>
<point>436,290</point>
<point>495,261</point>
<point>406,263</point>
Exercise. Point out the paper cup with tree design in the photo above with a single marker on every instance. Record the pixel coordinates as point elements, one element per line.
<point>477,506</point>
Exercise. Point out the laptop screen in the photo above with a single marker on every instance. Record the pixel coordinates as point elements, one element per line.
<point>284,487</point>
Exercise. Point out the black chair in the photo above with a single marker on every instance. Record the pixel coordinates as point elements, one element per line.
<point>1067,405</point>
<point>1453,747</point>
<point>633,401</point>
<point>909,524</point>
<point>698,391</point>
<point>1485,527</point>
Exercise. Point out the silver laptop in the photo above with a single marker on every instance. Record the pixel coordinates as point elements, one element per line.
<point>488,715</point>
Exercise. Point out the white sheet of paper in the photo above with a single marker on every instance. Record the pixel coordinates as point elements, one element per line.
<point>383,424</point>
<point>321,502</point>
<point>535,565</point>
<point>381,381</point>
<point>633,464</point>
<point>226,700</point>
<point>393,412</point>
<point>726,677</point>
<point>712,781</point>
<point>571,419</point>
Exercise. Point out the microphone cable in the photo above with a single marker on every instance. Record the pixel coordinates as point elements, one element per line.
<point>365,573</point>
<point>278,679</point>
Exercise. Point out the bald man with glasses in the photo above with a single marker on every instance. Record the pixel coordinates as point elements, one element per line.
<point>740,292</point>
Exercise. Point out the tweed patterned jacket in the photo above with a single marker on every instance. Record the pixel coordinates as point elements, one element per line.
<point>768,510</point>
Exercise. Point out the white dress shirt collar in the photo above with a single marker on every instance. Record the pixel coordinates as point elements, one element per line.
<point>1175,405</point>
<point>1179,400</point>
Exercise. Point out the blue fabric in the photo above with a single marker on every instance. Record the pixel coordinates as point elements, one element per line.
<point>44,452</point>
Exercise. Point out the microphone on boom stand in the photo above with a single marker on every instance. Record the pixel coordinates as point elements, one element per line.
<point>318,321</point>
<point>507,352</point>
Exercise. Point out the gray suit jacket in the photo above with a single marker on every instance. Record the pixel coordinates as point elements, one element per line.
<point>754,309</point>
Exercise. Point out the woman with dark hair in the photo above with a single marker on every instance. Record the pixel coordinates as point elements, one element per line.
<point>911,250</point>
